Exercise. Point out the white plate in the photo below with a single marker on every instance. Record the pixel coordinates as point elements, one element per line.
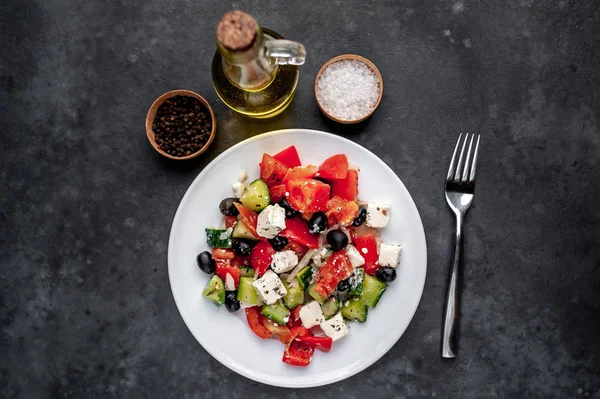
<point>226,336</point>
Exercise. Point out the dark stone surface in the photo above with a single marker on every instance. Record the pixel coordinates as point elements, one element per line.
<point>86,205</point>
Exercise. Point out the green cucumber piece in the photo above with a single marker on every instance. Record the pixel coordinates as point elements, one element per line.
<point>276,312</point>
<point>215,291</point>
<point>256,196</point>
<point>314,295</point>
<point>304,277</point>
<point>246,271</point>
<point>247,295</point>
<point>373,289</point>
<point>240,230</point>
<point>357,282</point>
<point>218,238</point>
<point>355,310</point>
<point>294,296</point>
<point>330,308</point>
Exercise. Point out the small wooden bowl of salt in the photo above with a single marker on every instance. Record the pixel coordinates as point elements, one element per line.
<point>348,88</point>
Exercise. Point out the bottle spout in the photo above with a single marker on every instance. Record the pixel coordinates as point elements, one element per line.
<point>285,52</point>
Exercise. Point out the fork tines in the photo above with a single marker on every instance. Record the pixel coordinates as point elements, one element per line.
<point>463,172</point>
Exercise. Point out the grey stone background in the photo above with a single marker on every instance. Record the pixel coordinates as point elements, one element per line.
<point>86,205</point>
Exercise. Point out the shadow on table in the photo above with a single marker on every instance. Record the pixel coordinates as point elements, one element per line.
<point>342,129</point>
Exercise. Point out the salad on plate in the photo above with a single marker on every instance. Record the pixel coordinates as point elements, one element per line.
<point>300,253</point>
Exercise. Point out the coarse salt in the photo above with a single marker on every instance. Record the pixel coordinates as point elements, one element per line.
<point>348,90</point>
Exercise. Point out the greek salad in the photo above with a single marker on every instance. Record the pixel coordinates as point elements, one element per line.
<point>300,253</point>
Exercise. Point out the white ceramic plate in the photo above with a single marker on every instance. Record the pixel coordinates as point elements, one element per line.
<point>226,336</point>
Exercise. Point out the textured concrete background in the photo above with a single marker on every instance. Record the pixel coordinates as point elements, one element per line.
<point>86,205</point>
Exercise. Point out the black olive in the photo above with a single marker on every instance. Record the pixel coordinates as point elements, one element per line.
<point>231,302</point>
<point>317,223</point>
<point>344,285</point>
<point>206,262</point>
<point>386,274</point>
<point>289,211</point>
<point>241,247</point>
<point>279,242</point>
<point>337,239</point>
<point>227,208</point>
<point>361,217</point>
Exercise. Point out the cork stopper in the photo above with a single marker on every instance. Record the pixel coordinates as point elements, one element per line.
<point>236,31</point>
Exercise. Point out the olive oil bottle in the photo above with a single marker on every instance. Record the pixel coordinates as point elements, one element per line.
<point>254,71</point>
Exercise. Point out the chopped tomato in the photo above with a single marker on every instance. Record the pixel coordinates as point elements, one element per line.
<point>320,343</point>
<point>283,333</point>
<point>335,167</point>
<point>272,171</point>
<point>341,211</point>
<point>221,253</point>
<point>336,268</point>
<point>298,353</point>
<point>249,218</point>
<point>346,188</point>
<point>261,257</point>
<point>255,321</point>
<point>296,229</point>
<point>367,246</point>
<point>294,320</point>
<point>307,215</point>
<point>289,157</point>
<point>299,249</point>
<point>277,193</point>
<point>307,195</point>
<point>306,172</point>
<point>230,221</point>
<point>223,269</point>
<point>240,261</point>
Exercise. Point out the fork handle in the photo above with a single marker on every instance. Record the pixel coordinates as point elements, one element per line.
<point>452,313</point>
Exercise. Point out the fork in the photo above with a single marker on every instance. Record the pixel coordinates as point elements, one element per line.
<point>460,188</point>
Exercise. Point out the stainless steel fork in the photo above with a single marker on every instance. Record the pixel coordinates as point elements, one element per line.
<point>460,185</point>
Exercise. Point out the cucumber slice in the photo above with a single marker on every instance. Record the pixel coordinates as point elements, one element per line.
<point>276,312</point>
<point>240,230</point>
<point>304,277</point>
<point>256,196</point>
<point>373,289</point>
<point>215,291</point>
<point>330,308</point>
<point>314,295</point>
<point>218,238</point>
<point>293,297</point>
<point>246,293</point>
<point>246,271</point>
<point>357,282</point>
<point>355,310</point>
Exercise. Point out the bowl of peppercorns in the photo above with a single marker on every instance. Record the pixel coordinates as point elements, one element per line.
<point>180,125</point>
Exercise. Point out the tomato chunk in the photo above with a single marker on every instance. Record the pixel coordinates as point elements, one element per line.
<point>306,172</point>
<point>261,257</point>
<point>230,221</point>
<point>334,167</point>
<point>299,249</point>
<point>249,218</point>
<point>277,193</point>
<point>307,195</point>
<point>283,333</point>
<point>223,269</point>
<point>272,171</point>
<point>289,157</point>
<point>341,211</point>
<point>298,353</point>
<point>336,268</point>
<point>346,188</point>
<point>255,321</point>
<point>296,229</point>
<point>367,246</point>
<point>321,343</point>
<point>221,253</point>
<point>294,320</point>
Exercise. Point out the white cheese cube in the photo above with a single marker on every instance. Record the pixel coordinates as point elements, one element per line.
<point>269,287</point>
<point>271,221</point>
<point>335,328</point>
<point>378,214</point>
<point>284,261</point>
<point>389,255</point>
<point>311,314</point>
<point>355,257</point>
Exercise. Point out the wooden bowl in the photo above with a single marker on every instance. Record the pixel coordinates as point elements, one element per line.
<point>152,114</point>
<point>353,57</point>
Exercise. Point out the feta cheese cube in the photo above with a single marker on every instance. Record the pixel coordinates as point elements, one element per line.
<point>271,221</point>
<point>311,314</point>
<point>378,214</point>
<point>355,257</point>
<point>389,255</point>
<point>335,328</point>
<point>269,287</point>
<point>284,261</point>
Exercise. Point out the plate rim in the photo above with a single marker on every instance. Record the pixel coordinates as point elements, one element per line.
<point>215,354</point>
